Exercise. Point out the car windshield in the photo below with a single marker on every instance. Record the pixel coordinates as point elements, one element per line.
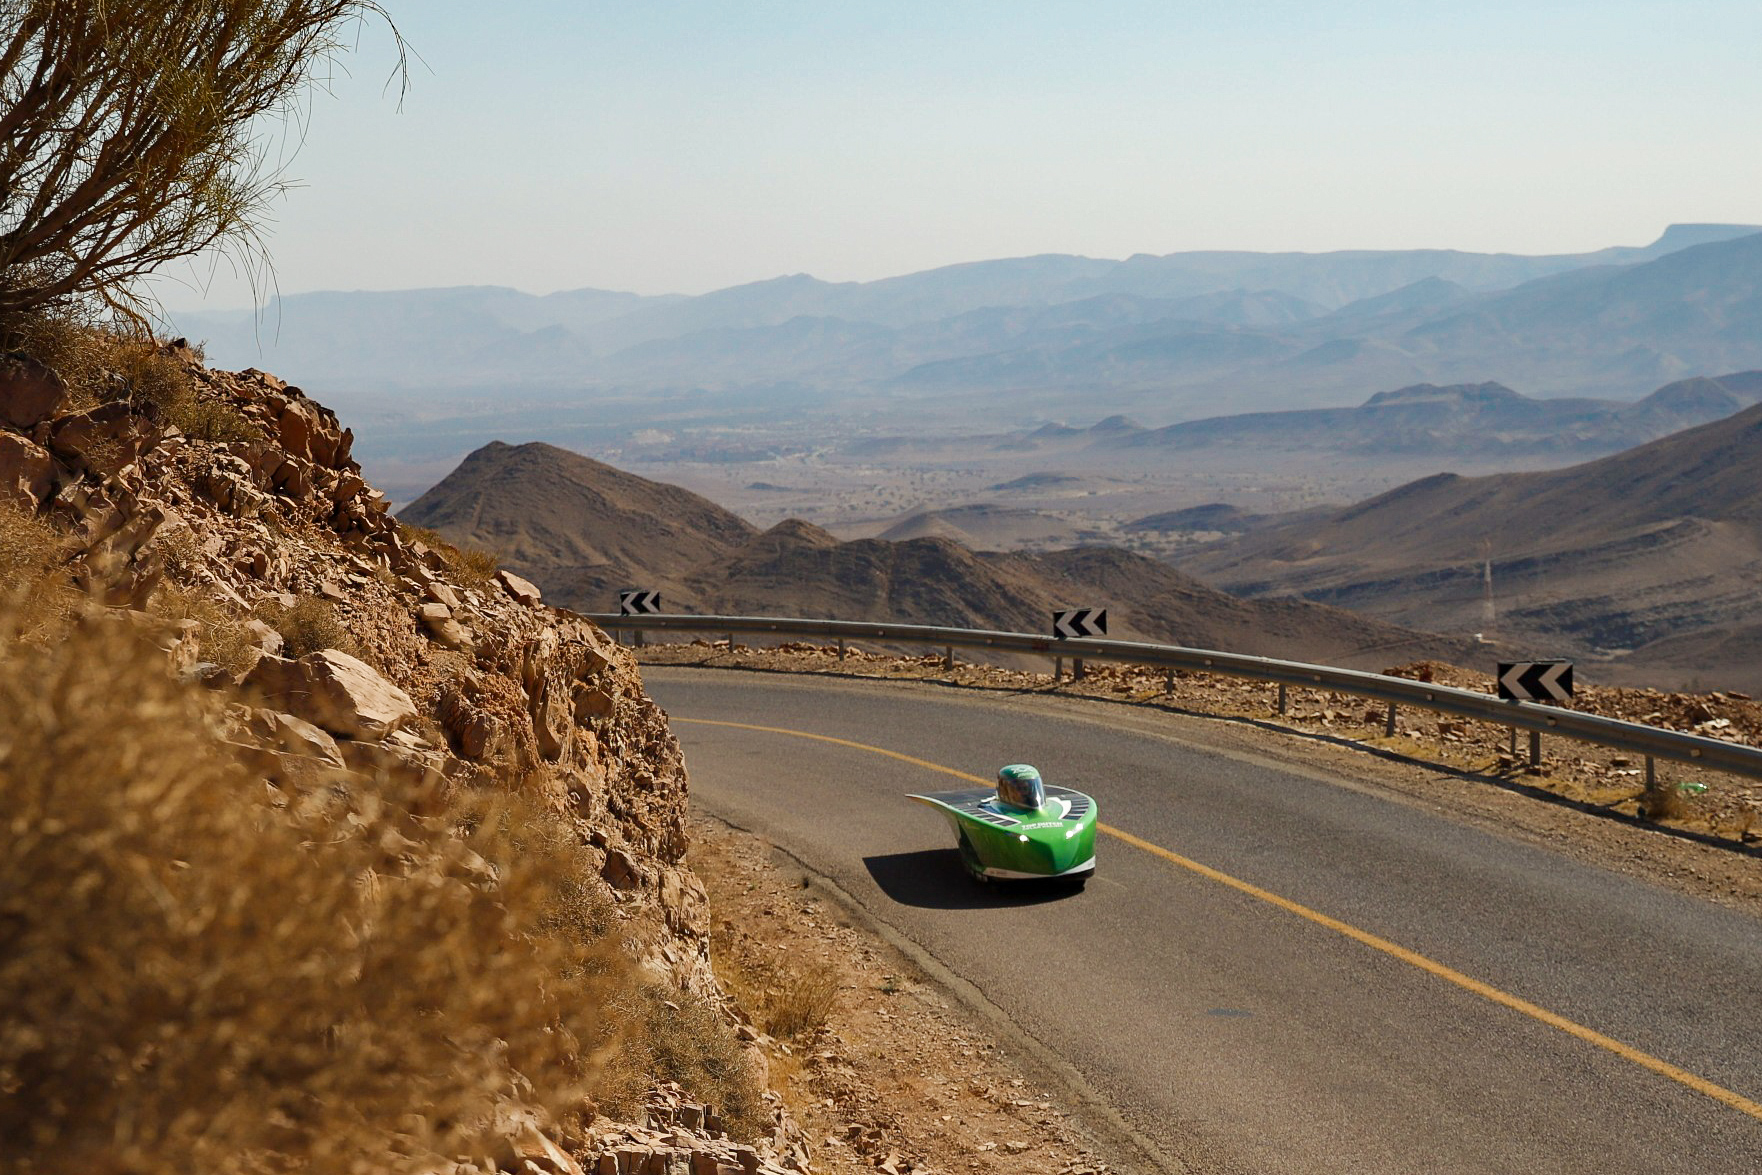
<point>1019,786</point>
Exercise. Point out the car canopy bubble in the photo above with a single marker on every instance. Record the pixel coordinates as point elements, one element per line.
<point>1019,786</point>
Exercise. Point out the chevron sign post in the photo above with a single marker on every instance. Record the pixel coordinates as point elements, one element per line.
<point>1079,622</point>
<point>1535,681</point>
<point>1076,622</point>
<point>638,603</point>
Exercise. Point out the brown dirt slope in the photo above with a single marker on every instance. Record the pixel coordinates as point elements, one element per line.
<point>1657,542</point>
<point>797,569</point>
<point>582,529</point>
<point>579,528</point>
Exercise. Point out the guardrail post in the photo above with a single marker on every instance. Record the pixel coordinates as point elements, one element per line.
<point>1168,681</point>
<point>1076,669</point>
<point>1389,722</point>
<point>948,656</point>
<point>638,641</point>
<point>1284,699</point>
<point>1536,749</point>
<point>841,648</point>
<point>1058,669</point>
<point>1655,800</point>
<point>730,644</point>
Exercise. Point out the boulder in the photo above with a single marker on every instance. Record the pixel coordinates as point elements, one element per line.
<point>264,637</point>
<point>103,439</point>
<point>551,722</point>
<point>621,870</point>
<point>30,392</point>
<point>297,424</point>
<point>441,593</point>
<point>27,472</point>
<point>593,702</point>
<point>342,694</point>
<point>437,620</point>
<point>295,736</point>
<point>523,590</point>
<point>482,736</point>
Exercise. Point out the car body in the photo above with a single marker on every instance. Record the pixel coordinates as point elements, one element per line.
<point>1000,840</point>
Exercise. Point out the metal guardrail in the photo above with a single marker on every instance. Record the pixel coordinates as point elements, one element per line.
<point>1638,738</point>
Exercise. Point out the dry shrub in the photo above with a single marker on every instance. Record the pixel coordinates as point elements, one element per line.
<point>677,1036</point>
<point>310,625</point>
<point>72,340</point>
<point>33,588</point>
<point>787,999</point>
<point>663,1035</point>
<point>801,1000</point>
<point>222,638</point>
<point>103,360</point>
<point>1663,802</point>
<point>472,566</point>
<point>214,420</point>
<point>152,381</point>
<point>196,978</point>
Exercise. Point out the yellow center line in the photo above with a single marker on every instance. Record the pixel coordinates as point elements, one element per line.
<point>1644,1060</point>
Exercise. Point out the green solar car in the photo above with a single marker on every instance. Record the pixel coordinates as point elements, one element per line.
<point>1022,830</point>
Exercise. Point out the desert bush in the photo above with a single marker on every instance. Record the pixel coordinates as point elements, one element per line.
<point>789,998</point>
<point>677,1036</point>
<point>222,638</point>
<point>134,133</point>
<point>151,380</point>
<point>71,339</point>
<point>213,420</point>
<point>472,566</point>
<point>799,999</point>
<point>195,978</point>
<point>309,625</point>
<point>35,594</point>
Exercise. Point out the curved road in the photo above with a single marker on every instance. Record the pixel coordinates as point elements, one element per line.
<point>1278,971</point>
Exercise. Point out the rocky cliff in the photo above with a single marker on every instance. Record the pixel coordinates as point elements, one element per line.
<point>341,644</point>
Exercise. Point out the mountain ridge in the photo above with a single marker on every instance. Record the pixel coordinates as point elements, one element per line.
<point>796,568</point>
<point>1657,544</point>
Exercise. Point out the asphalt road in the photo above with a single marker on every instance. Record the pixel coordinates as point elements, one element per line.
<point>1239,1034</point>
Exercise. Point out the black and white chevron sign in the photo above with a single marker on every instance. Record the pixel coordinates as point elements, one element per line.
<point>1535,681</point>
<point>638,603</point>
<point>1074,622</point>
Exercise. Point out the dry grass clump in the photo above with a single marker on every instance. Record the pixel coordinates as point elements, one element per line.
<point>222,639</point>
<point>790,1000</point>
<point>100,361</point>
<point>34,591</point>
<point>71,339</point>
<point>677,1036</point>
<point>472,566</point>
<point>197,977</point>
<point>212,420</point>
<point>310,625</point>
<point>1663,802</point>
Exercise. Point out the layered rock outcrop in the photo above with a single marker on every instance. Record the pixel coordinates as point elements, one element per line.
<point>417,658</point>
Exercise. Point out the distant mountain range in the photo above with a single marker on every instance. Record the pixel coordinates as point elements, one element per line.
<point>1183,334</point>
<point>582,530</point>
<point>1486,420</point>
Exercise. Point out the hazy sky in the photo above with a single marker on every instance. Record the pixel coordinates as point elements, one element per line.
<point>657,146</point>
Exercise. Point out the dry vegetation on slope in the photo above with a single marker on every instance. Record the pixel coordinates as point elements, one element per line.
<point>326,847</point>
